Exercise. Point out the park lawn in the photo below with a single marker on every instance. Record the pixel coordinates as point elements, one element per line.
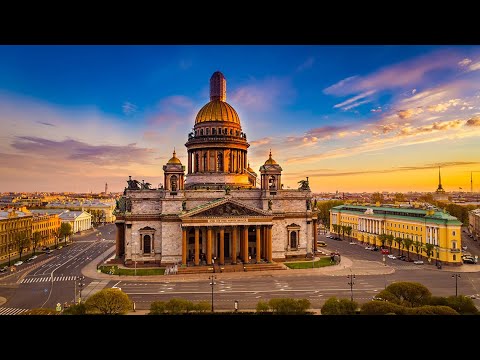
<point>326,261</point>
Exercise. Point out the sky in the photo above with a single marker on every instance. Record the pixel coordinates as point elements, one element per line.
<point>351,118</point>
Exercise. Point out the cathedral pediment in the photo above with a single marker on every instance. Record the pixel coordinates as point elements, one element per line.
<point>225,208</point>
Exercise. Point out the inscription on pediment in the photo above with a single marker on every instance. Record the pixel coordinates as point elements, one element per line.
<point>228,209</point>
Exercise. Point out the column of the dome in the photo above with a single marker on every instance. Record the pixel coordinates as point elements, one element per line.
<point>189,162</point>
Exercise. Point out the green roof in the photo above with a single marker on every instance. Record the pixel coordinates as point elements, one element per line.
<point>438,217</point>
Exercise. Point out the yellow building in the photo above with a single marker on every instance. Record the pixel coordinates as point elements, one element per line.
<point>421,226</point>
<point>13,223</point>
<point>47,225</point>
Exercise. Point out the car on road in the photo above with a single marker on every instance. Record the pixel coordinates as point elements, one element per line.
<point>60,247</point>
<point>368,247</point>
<point>18,263</point>
<point>45,248</point>
<point>418,262</point>
<point>352,242</point>
<point>49,251</point>
<point>321,243</point>
<point>468,260</point>
<point>402,257</point>
<point>31,258</point>
<point>390,256</point>
<point>4,269</point>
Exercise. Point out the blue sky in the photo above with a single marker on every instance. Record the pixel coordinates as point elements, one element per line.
<point>352,117</point>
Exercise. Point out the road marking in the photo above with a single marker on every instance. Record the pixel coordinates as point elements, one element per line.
<point>11,311</point>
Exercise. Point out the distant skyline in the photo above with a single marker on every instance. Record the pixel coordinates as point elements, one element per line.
<point>351,118</point>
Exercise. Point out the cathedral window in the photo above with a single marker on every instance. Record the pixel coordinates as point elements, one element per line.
<point>271,182</point>
<point>147,244</point>
<point>214,131</point>
<point>173,183</point>
<point>293,239</point>
<point>207,131</point>
<point>220,162</point>
<point>197,163</point>
<point>231,131</point>
<point>201,132</point>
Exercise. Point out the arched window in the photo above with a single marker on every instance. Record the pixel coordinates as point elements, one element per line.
<point>147,244</point>
<point>271,182</point>
<point>293,239</point>
<point>201,132</point>
<point>224,131</point>
<point>197,163</point>
<point>231,131</point>
<point>207,131</point>
<point>173,183</point>
<point>220,162</point>
<point>214,131</point>
<point>219,131</point>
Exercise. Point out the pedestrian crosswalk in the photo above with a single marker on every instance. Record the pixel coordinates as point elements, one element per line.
<point>11,311</point>
<point>30,280</point>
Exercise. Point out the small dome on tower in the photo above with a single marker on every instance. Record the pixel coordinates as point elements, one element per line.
<point>249,168</point>
<point>174,159</point>
<point>270,161</point>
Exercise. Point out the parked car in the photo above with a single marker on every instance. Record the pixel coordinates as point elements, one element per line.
<point>60,247</point>
<point>368,247</point>
<point>45,248</point>
<point>49,251</point>
<point>18,263</point>
<point>4,269</point>
<point>418,262</point>
<point>321,243</point>
<point>468,260</point>
<point>393,257</point>
<point>31,258</point>
<point>402,257</point>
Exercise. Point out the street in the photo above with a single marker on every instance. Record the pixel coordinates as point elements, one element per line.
<point>53,282</point>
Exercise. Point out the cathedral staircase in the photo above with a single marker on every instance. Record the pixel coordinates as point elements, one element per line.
<point>230,268</point>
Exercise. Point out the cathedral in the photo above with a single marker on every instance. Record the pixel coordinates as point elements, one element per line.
<point>215,209</point>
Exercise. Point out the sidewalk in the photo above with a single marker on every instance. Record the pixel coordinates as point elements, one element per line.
<point>346,267</point>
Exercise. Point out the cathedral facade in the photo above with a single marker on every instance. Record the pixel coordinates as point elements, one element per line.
<point>215,209</point>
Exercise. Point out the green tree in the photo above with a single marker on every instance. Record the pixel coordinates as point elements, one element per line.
<point>407,242</point>
<point>389,240</point>
<point>418,248</point>
<point>348,230</point>
<point>288,306</point>
<point>409,294</point>
<point>262,307</point>
<point>377,197</point>
<point>432,310</point>
<point>21,241</point>
<point>383,239</point>
<point>438,301</point>
<point>462,304</point>
<point>157,308</point>
<point>178,306</point>
<point>429,250</point>
<point>399,242</point>
<point>428,198</point>
<point>202,307</point>
<point>65,230</point>
<point>56,235</point>
<point>377,307</point>
<point>36,238</point>
<point>323,211</point>
<point>77,309</point>
<point>399,197</point>
<point>343,229</point>
<point>109,302</point>
<point>334,306</point>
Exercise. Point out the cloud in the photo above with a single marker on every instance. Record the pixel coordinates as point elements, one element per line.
<point>474,67</point>
<point>330,173</point>
<point>172,110</point>
<point>398,75</point>
<point>355,104</point>
<point>405,114</point>
<point>465,62</point>
<point>436,126</point>
<point>261,95</point>
<point>129,108</point>
<point>307,64</point>
<point>475,121</point>
<point>414,91</point>
<point>70,149</point>
<point>45,123</point>
<point>353,99</point>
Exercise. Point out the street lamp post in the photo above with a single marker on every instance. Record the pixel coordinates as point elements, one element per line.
<point>456,276</point>
<point>351,283</point>
<point>212,284</point>
<point>81,284</point>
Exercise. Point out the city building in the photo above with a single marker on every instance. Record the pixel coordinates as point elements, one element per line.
<point>474,222</point>
<point>79,220</point>
<point>15,226</point>
<point>217,213</point>
<point>427,226</point>
<point>47,225</point>
<point>101,211</point>
<point>440,194</point>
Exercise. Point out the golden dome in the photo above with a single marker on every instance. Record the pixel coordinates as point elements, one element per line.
<point>174,159</point>
<point>217,110</point>
<point>270,161</point>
